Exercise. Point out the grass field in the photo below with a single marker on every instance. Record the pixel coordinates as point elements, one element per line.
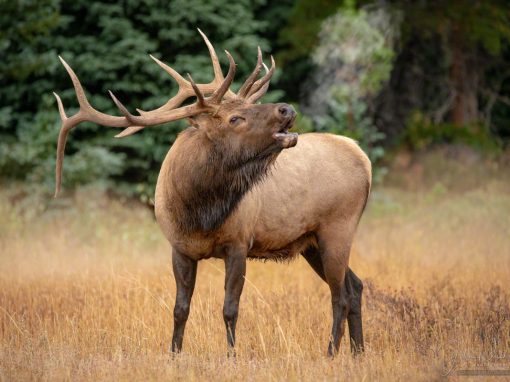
<point>86,290</point>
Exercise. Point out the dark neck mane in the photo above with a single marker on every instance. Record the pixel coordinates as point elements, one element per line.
<point>208,187</point>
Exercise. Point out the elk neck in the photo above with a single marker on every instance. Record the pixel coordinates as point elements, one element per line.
<point>208,179</point>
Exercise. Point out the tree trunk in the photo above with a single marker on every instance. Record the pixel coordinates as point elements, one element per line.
<point>464,79</point>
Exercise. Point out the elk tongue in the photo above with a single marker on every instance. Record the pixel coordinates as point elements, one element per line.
<point>286,140</point>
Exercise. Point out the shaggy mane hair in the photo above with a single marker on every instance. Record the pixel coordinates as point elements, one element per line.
<point>212,185</point>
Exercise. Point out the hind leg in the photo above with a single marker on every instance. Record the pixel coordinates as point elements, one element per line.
<point>354,290</point>
<point>354,320</point>
<point>334,242</point>
<point>334,253</point>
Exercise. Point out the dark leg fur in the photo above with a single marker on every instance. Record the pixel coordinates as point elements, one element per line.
<point>185,271</point>
<point>354,320</point>
<point>354,288</point>
<point>235,270</point>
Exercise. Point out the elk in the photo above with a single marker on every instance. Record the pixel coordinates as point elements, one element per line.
<point>236,185</point>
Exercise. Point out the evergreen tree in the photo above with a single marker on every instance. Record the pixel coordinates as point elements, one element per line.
<point>107,44</point>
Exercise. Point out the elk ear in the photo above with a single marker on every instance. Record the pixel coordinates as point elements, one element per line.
<point>193,122</point>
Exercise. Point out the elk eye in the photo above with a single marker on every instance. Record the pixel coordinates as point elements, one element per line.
<point>235,119</point>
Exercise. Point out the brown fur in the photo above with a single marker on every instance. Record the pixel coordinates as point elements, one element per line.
<point>228,189</point>
<point>219,185</point>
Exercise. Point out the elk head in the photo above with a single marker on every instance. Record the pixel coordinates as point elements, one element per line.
<point>231,120</point>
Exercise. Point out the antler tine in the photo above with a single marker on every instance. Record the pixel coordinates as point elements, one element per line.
<point>198,93</point>
<point>243,91</point>
<point>85,113</point>
<point>183,93</point>
<point>260,87</point>
<point>130,130</point>
<point>121,107</point>
<point>175,75</point>
<point>150,119</point>
<point>220,92</point>
<point>218,74</point>
<point>256,96</point>
<point>61,145</point>
<point>80,93</point>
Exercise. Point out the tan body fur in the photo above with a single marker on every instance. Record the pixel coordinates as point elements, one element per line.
<point>321,183</point>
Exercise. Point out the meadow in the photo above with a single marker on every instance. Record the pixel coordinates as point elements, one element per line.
<point>87,291</point>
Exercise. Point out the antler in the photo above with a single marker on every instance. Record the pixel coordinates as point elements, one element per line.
<point>86,113</point>
<point>252,90</point>
<point>218,89</point>
<point>185,89</point>
<point>260,87</point>
<point>169,115</point>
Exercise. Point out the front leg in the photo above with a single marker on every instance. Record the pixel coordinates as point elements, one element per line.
<point>185,272</point>
<point>235,271</point>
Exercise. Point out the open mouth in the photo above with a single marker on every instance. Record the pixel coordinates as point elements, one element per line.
<point>286,126</point>
<point>283,137</point>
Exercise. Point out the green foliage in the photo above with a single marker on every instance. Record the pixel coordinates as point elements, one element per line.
<point>350,118</point>
<point>421,133</point>
<point>358,44</point>
<point>485,23</point>
<point>300,35</point>
<point>354,59</point>
<point>106,43</point>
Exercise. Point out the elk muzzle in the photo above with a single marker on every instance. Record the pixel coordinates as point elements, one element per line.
<point>286,115</point>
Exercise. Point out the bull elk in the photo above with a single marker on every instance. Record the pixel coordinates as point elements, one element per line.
<point>236,184</point>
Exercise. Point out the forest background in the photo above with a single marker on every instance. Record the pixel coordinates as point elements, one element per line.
<point>398,76</point>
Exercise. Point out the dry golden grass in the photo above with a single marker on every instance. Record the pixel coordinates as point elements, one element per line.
<point>86,293</point>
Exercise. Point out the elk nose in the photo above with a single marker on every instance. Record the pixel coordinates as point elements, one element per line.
<point>286,111</point>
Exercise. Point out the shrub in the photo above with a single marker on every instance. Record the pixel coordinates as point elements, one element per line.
<point>422,133</point>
